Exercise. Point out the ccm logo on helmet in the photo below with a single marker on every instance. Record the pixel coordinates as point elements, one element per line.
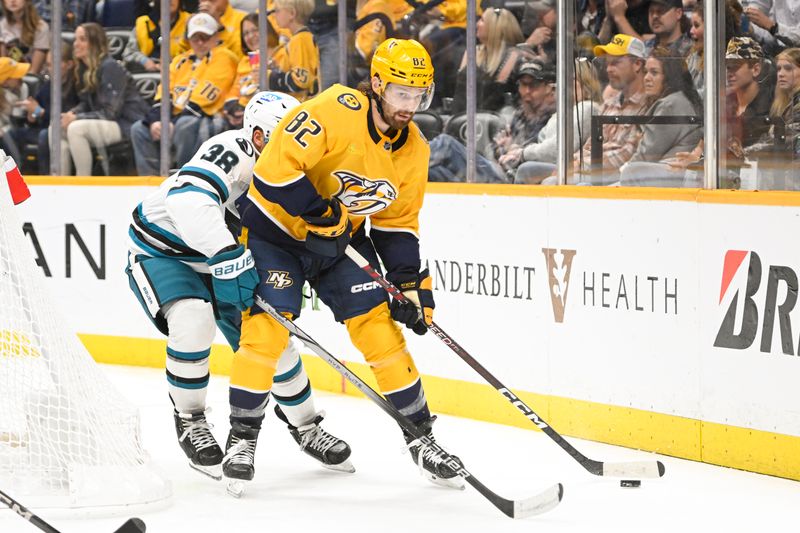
<point>364,287</point>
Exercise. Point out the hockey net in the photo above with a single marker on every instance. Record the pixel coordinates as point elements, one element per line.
<point>67,437</point>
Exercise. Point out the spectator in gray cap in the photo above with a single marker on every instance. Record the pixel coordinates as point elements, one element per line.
<point>536,93</point>
<point>539,158</point>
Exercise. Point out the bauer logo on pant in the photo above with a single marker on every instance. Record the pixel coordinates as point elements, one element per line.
<point>279,278</point>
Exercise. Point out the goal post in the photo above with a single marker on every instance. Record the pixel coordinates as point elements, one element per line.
<point>68,439</point>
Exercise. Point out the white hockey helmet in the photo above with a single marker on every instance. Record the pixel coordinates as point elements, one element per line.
<point>265,110</point>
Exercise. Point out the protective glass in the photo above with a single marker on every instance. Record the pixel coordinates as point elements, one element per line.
<point>409,99</point>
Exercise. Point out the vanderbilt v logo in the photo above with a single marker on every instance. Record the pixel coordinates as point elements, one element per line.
<point>558,278</point>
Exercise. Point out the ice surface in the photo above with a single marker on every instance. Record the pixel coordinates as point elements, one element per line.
<point>387,494</point>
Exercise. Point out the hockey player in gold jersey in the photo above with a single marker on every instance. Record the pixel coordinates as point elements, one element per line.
<point>331,163</point>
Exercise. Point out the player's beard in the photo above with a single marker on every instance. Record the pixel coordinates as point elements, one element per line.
<point>398,120</point>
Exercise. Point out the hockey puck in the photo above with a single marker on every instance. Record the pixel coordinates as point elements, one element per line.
<point>630,483</point>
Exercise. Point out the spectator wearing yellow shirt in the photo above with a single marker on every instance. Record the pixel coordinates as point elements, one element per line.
<point>447,42</point>
<point>231,21</point>
<point>144,45</point>
<point>294,68</point>
<point>199,80</point>
<point>247,79</point>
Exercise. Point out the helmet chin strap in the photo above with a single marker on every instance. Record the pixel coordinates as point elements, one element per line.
<point>379,104</point>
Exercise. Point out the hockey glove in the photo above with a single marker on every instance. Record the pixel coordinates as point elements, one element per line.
<point>234,276</point>
<point>329,234</point>
<point>417,312</point>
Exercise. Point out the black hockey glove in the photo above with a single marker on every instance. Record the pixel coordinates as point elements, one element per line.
<point>417,312</point>
<point>329,234</point>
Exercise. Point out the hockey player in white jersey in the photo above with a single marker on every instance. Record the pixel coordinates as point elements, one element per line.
<point>190,273</point>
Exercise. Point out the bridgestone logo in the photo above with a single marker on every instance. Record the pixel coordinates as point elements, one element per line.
<point>740,324</point>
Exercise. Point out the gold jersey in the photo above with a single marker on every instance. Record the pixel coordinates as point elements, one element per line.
<point>369,36</point>
<point>246,84</point>
<point>330,147</point>
<point>295,66</point>
<point>147,32</point>
<point>201,82</point>
<point>231,34</point>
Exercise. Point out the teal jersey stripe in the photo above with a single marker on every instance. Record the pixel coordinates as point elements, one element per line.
<point>214,177</point>
<point>158,229</point>
<point>155,252</point>
<point>188,356</point>
<point>193,188</point>
<point>286,376</point>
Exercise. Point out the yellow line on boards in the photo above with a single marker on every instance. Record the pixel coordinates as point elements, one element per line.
<point>767,198</point>
<point>746,449</point>
<point>95,181</point>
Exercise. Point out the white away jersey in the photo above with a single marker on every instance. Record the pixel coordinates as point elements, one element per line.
<point>186,217</point>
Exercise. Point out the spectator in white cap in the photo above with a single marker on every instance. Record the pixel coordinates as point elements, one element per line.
<point>199,79</point>
<point>624,56</point>
<point>205,24</point>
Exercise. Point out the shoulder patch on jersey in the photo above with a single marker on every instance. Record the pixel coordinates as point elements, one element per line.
<point>350,101</point>
<point>363,196</point>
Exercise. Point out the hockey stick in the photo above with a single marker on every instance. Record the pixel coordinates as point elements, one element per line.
<point>631,469</point>
<point>534,505</point>
<point>133,525</point>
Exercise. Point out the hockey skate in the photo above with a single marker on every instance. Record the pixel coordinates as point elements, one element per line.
<point>333,453</point>
<point>240,454</point>
<point>198,443</point>
<point>431,465</point>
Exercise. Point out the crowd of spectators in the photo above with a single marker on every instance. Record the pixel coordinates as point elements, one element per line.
<point>639,82</point>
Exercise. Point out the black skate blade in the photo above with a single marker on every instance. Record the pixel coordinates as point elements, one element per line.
<point>133,525</point>
<point>213,471</point>
<point>344,466</point>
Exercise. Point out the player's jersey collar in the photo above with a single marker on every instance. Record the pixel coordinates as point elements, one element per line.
<point>391,139</point>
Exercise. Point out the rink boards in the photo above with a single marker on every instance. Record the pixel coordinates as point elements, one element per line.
<point>663,320</point>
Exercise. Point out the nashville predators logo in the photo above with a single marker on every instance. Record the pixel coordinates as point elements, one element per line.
<point>279,278</point>
<point>363,196</point>
<point>349,101</point>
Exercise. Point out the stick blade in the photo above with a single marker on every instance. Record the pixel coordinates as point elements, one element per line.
<point>133,525</point>
<point>541,503</point>
<point>634,469</point>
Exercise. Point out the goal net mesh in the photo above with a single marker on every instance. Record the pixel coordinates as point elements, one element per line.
<point>67,437</point>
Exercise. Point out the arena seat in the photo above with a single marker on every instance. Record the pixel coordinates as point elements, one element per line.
<point>147,85</point>
<point>487,124</point>
<point>117,40</point>
<point>430,124</point>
